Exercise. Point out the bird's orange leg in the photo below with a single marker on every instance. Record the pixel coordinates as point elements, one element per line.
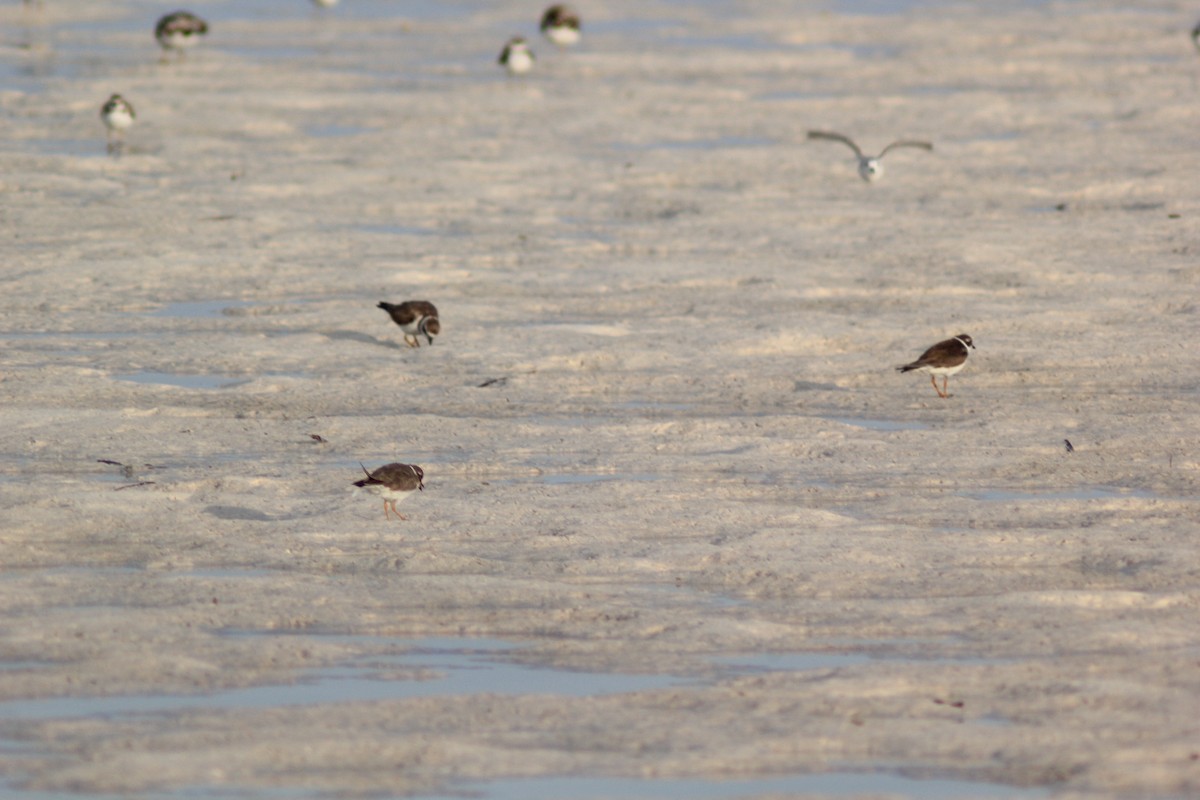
<point>933,380</point>
<point>945,383</point>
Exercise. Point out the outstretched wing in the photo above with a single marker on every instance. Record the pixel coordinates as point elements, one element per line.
<point>836,137</point>
<point>905,143</point>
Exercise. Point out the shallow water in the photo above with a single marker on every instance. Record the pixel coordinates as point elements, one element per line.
<point>183,381</point>
<point>200,309</point>
<point>1086,493</point>
<point>880,424</point>
<point>831,783</point>
<point>461,666</point>
<point>435,667</point>
<point>448,666</point>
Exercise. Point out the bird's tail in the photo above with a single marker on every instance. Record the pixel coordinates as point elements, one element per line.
<point>368,479</point>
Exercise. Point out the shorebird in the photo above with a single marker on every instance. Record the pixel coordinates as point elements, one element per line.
<point>869,167</point>
<point>326,3</point>
<point>560,24</point>
<point>516,56</point>
<point>179,30</point>
<point>118,114</point>
<point>394,483</point>
<point>944,358</point>
<point>416,318</point>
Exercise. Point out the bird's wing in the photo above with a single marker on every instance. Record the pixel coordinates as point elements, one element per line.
<point>401,314</point>
<point>836,137</point>
<point>423,308</point>
<point>951,351</point>
<point>906,143</point>
<point>401,476</point>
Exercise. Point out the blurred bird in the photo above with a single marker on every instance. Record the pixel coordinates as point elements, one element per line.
<point>179,30</point>
<point>118,115</point>
<point>560,24</point>
<point>516,56</point>
<point>869,168</point>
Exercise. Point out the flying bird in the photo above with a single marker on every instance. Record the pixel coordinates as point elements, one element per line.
<point>869,167</point>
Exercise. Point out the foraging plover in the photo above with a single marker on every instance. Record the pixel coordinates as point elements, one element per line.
<point>869,167</point>
<point>944,358</point>
<point>415,318</point>
<point>560,24</point>
<point>118,114</point>
<point>179,30</point>
<point>394,483</point>
<point>516,56</point>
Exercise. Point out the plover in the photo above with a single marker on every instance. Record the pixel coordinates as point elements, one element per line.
<point>869,168</point>
<point>394,483</point>
<point>1196,36</point>
<point>415,318</point>
<point>118,114</point>
<point>560,24</point>
<point>516,56</point>
<point>326,3</point>
<point>179,30</point>
<point>944,358</point>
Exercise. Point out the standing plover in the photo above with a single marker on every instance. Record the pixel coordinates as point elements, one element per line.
<point>516,56</point>
<point>326,3</point>
<point>415,318</point>
<point>560,24</point>
<point>944,358</point>
<point>179,30</point>
<point>118,114</point>
<point>394,483</point>
<point>869,168</point>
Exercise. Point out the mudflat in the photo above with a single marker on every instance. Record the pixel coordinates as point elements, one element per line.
<point>684,525</point>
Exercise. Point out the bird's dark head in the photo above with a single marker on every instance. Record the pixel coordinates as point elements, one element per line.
<point>420,473</point>
<point>430,327</point>
<point>965,339</point>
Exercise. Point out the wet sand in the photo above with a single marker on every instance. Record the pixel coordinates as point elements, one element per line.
<point>693,477</point>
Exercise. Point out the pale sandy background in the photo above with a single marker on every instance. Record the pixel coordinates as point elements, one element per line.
<point>698,489</point>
